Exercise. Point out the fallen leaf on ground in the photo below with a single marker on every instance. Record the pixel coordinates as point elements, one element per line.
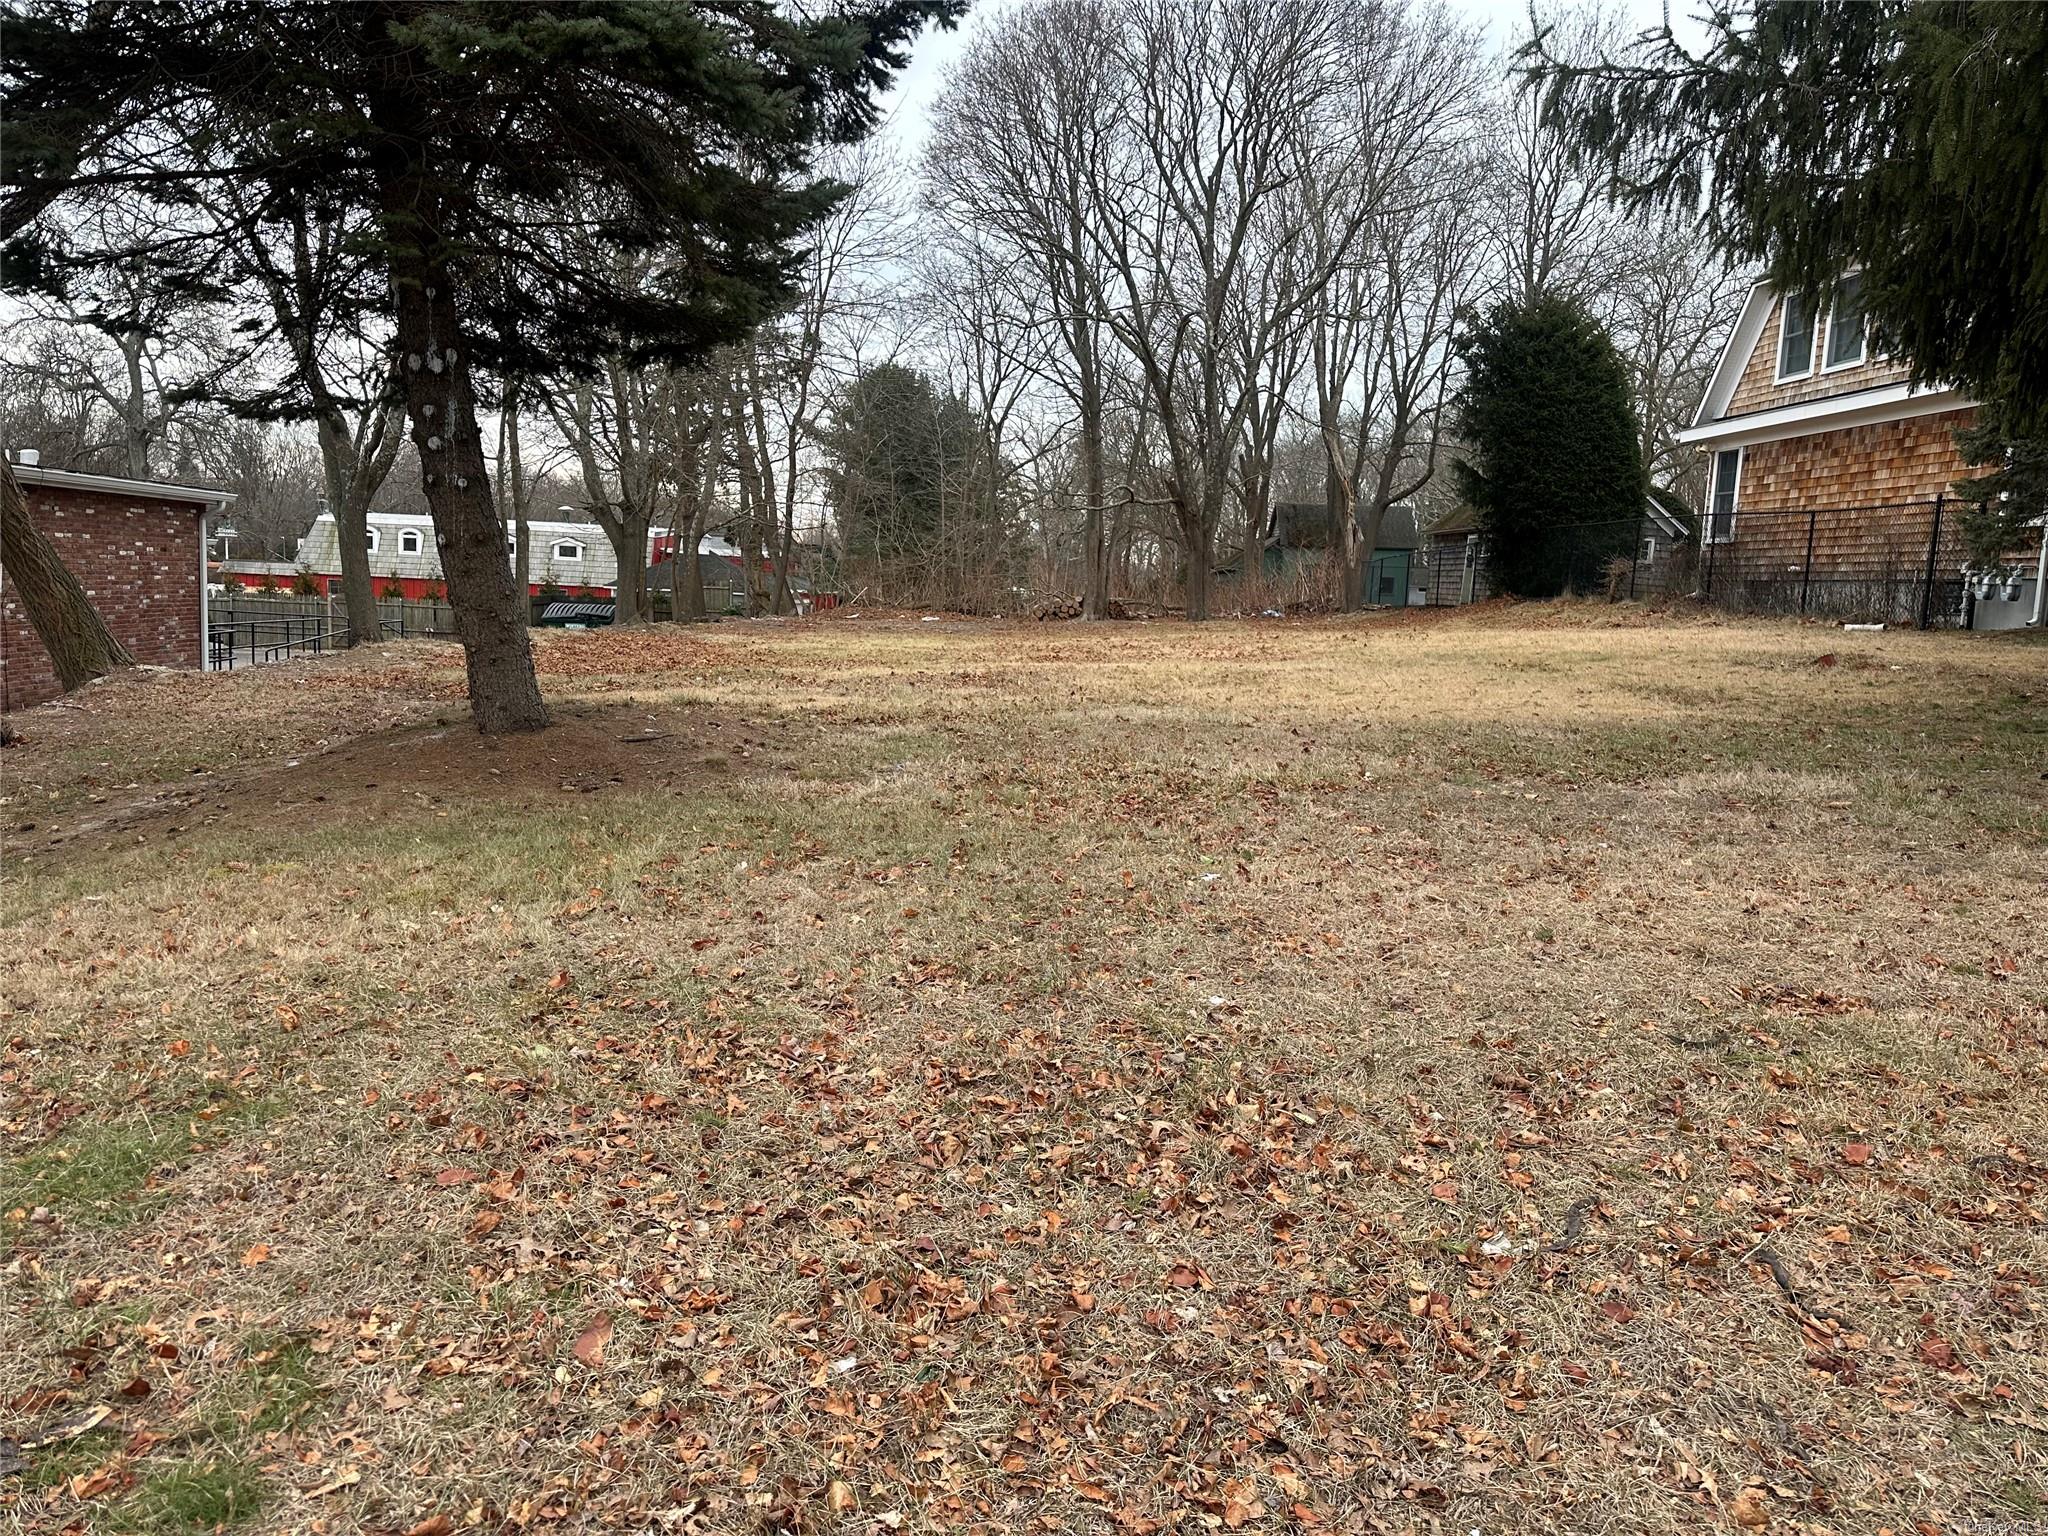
<point>1749,1509</point>
<point>590,1343</point>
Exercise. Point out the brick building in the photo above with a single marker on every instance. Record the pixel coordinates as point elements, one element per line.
<point>138,548</point>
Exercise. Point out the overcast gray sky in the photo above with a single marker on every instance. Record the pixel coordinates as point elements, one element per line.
<point>920,84</point>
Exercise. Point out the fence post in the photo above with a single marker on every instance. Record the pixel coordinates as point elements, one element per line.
<point>1806,575</point>
<point>1927,583</point>
<point>1707,583</point>
<point>1635,556</point>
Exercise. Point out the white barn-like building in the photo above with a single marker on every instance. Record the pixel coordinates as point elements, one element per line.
<point>574,556</point>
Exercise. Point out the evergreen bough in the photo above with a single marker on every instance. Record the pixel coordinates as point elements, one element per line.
<point>1552,459</point>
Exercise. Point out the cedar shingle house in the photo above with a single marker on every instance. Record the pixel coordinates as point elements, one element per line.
<point>1826,466</point>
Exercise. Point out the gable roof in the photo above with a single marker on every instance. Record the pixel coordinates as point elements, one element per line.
<point>1461,519</point>
<point>1668,514</point>
<point>1306,525</point>
<point>1713,427</point>
<point>1735,353</point>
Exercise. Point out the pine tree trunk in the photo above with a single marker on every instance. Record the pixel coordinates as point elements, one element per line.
<point>79,643</point>
<point>504,694</point>
<point>440,402</point>
<point>512,483</point>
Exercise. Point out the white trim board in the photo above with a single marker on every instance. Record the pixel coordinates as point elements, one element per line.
<point>1869,407</point>
<point>154,490</point>
<point>1749,326</point>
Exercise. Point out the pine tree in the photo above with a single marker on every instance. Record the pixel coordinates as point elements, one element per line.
<point>1553,459</point>
<point>479,136</point>
<point>2005,505</point>
<point>902,467</point>
<point>1907,138</point>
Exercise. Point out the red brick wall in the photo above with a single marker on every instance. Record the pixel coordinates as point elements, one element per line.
<point>138,559</point>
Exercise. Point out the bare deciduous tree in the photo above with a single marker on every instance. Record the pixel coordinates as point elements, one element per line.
<point>1199,228</point>
<point>1012,157</point>
<point>335,368</point>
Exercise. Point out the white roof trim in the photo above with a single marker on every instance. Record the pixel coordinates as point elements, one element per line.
<point>1663,519</point>
<point>1735,355</point>
<point>155,490</point>
<point>1893,402</point>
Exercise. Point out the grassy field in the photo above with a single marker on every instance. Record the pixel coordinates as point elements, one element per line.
<point>1543,1069</point>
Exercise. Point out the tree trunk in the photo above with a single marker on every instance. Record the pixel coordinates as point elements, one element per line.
<point>349,501</point>
<point>1199,537</point>
<point>750,509</point>
<point>1367,536</point>
<point>785,601</point>
<point>134,409</point>
<point>1095,573</point>
<point>693,572</point>
<point>777,526</point>
<point>80,645</point>
<point>628,535</point>
<point>504,694</point>
<point>693,535</point>
<point>512,480</point>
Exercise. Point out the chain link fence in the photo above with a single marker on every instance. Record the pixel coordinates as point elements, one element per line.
<point>1898,563</point>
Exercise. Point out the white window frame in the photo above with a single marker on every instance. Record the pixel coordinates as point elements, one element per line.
<point>1734,499</point>
<point>575,550</point>
<point>409,541</point>
<point>1812,341</point>
<point>1862,340</point>
<point>370,541</point>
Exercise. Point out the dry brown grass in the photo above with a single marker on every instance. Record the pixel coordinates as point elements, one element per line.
<point>1547,1069</point>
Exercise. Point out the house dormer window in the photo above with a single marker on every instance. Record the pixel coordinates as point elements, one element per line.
<point>370,541</point>
<point>1847,334</point>
<point>1795,338</point>
<point>568,549</point>
<point>409,542</point>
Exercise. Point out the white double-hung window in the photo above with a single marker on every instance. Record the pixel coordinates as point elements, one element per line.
<point>1848,338</point>
<point>1795,338</point>
<point>1721,495</point>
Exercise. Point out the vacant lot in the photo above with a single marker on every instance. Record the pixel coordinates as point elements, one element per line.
<point>1536,1070</point>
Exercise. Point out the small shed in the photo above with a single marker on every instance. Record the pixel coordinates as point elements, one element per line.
<point>1298,533</point>
<point>1454,559</point>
